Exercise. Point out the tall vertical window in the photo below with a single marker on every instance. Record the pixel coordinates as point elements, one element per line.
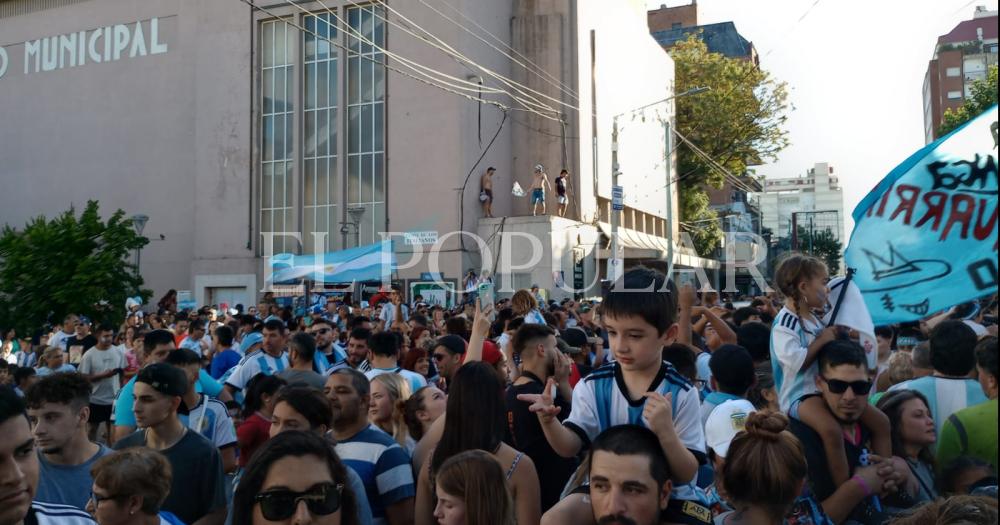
<point>277,112</point>
<point>321,213</point>
<point>365,122</point>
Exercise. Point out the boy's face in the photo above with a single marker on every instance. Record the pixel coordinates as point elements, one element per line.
<point>635,344</point>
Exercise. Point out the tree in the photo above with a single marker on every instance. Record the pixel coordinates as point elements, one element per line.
<point>984,95</point>
<point>51,268</point>
<point>821,243</point>
<point>739,123</point>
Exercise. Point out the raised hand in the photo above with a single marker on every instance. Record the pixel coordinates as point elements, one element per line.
<point>542,404</point>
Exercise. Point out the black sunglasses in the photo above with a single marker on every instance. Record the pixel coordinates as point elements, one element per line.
<point>322,500</point>
<point>860,388</point>
<point>438,357</point>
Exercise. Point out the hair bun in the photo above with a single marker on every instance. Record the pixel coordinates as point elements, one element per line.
<point>766,425</point>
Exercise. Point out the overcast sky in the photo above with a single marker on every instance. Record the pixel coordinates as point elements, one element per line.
<point>855,70</point>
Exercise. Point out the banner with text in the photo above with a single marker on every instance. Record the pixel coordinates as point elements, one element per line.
<point>925,238</point>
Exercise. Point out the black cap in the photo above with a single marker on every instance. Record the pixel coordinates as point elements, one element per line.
<point>165,379</point>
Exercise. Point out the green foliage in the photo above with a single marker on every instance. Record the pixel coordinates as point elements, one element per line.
<point>51,268</point>
<point>739,123</point>
<point>822,244</point>
<point>984,95</point>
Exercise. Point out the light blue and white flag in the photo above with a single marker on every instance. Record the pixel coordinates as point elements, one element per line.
<point>374,262</point>
<point>925,238</point>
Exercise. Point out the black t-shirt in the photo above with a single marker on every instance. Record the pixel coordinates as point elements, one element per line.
<point>561,185</point>
<point>524,433</point>
<point>86,342</point>
<point>197,488</point>
<point>820,481</point>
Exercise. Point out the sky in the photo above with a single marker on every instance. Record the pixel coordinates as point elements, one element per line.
<point>855,71</point>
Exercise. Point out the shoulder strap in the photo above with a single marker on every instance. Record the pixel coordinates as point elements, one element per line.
<point>963,436</point>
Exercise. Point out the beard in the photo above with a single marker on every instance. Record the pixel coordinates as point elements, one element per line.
<point>616,520</point>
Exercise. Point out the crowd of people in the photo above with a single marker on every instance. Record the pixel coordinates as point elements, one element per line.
<point>651,405</point>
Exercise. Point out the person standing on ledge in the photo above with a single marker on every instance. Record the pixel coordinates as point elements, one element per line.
<point>539,183</point>
<point>486,192</point>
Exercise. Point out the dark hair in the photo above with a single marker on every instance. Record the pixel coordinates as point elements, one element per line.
<point>527,334</point>
<point>885,332</point>
<point>657,306</point>
<point>986,355</point>
<point>419,319</point>
<point>457,326</point>
<point>411,406</point>
<point>62,389</point>
<point>156,338</point>
<point>732,368</point>
<point>756,338</point>
<point>475,416</point>
<point>764,380</point>
<point>225,335</point>
<point>259,385</point>
<point>22,373</point>
<point>412,356</point>
<point>324,320</point>
<point>275,325</point>
<point>892,406</point>
<point>948,479</point>
<point>356,322</point>
<point>633,440</point>
<point>953,348</point>
<point>842,352</point>
<point>105,327</point>
<point>358,380</point>
<point>765,465</point>
<point>11,405</point>
<point>305,346</point>
<point>956,510</point>
<point>309,402</point>
<point>296,444</point>
<point>361,334</point>
<point>682,357</point>
<point>182,357</point>
<point>477,479</point>
<point>384,344</point>
<point>742,314</point>
<point>196,324</point>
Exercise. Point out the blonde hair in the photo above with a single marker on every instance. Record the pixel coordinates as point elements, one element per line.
<point>792,270</point>
<point>523,302</point>
<point>399,391</point>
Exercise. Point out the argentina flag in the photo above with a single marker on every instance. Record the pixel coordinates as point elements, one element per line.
<point>925,238</point>
<point>374,262</point>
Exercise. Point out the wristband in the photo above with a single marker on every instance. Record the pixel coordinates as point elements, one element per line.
<point>863,484</point>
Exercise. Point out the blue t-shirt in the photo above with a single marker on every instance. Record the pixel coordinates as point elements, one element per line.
<point>223,361</point>
<point>383,466</point>
<point>66,484</point>
<point>123,416</point>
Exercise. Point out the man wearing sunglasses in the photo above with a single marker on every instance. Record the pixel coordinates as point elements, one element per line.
<point>844,385</point>
<point>325,333</point>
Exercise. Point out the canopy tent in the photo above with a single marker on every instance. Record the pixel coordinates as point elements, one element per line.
<point>374,262</point>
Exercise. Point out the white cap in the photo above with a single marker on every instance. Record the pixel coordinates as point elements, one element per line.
<point>725,421</point>
<point>979,329</point>
<point>539,167</point>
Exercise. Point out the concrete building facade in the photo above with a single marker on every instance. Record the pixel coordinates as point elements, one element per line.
<point>817,196</point>
<point>222,123</point>
<point>961,57</point>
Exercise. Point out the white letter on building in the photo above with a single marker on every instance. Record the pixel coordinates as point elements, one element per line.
<point>155,47</point>
<point>81,52</point>
<point>107,44</point>
<point>138,42</point>
<point>32,49</point>
<point>95,57</point>
<point>67,44</point>
<point>50,53</point>
<point>3,61</point>
<point>121,39</point>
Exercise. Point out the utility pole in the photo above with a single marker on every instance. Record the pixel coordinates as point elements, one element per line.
<point>613,271</point>
<point>670,201</point>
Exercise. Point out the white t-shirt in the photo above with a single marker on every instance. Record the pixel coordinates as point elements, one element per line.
<point>95,361</point>
<point>254,363</point>
<point>790,340</point>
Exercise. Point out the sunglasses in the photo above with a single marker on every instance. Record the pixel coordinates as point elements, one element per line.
<point>277,505</point>
<point>860,388</point>
<point>322,331</point>
<point>438,357</point>
<point>96,500</point>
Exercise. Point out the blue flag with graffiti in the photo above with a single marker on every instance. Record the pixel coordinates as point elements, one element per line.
<point>925,238</point>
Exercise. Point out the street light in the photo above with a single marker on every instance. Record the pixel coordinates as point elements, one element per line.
<point>616,214</point>
<point>355,213</point>
<point>139,223</point>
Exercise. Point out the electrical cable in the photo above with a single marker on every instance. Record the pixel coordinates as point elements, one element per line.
<point>461,201</point>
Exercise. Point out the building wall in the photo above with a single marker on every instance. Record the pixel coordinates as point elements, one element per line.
<point>669,17</point>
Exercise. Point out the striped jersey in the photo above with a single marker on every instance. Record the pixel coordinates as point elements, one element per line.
<point>384,468</point>
<point>211,419</point>
<point>601,401</point>
<point>258,362</point>
<point>55,514</point>
<point>790,340</point>
<point>945,395</point>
